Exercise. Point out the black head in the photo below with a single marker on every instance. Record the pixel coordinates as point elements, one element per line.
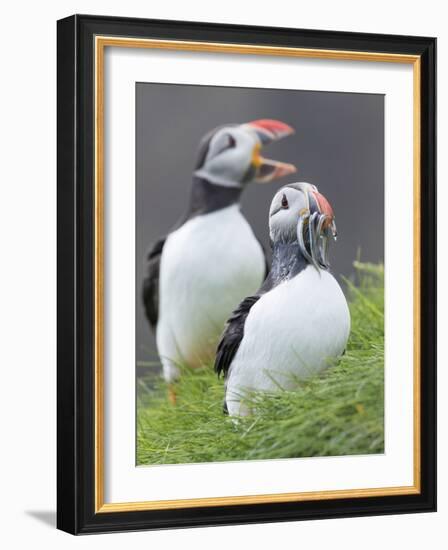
<point>299,213</point>
<point>230,155</point>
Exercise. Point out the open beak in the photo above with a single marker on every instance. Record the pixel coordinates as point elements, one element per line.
<point>267,170</point>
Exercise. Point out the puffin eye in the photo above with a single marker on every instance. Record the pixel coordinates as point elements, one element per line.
<point>285,203</point>
<point>229,143</point>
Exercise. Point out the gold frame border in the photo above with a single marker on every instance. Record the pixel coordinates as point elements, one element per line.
<point>101,42</point>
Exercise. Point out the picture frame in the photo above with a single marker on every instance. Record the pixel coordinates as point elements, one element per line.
<point>82,43</point>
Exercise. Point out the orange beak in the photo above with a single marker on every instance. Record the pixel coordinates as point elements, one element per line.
<point>267,131</point>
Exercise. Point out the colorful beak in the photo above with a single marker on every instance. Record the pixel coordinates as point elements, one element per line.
<point>267,170</point>
<point>269,130</point>
<point>316,225</point>
<point>323,205</point>
<point>324,208</point>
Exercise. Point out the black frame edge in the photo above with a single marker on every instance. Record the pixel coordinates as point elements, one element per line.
<point>428,298</point>
<point>176,26</point>
<point>66,273</point>
<point>75,276</point>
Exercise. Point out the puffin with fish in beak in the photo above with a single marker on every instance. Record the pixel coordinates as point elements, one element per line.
<point>298,323</point>
<point>211,259</point>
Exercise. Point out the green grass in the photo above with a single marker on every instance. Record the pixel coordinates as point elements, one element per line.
<point>338,413</point>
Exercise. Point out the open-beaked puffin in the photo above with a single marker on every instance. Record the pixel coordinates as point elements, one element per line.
<point>298,323</point>
<point>211,259</point>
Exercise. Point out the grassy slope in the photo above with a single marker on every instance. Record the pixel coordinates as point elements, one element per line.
<point>338,413</point>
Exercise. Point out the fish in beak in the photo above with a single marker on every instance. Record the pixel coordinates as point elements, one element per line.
<point>264,170</point>
<point>315,227</point>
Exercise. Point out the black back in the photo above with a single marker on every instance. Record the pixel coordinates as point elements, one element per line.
<point>150,291</point>
<point>205,198</point>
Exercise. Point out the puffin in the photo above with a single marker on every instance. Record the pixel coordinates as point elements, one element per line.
<point>298,323</point>
<point>211,259</point>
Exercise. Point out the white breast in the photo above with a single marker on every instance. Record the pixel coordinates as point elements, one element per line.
<point>208,266</point>
<point>294,331</point>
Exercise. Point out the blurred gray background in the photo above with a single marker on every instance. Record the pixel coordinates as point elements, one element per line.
<point>338,146</point>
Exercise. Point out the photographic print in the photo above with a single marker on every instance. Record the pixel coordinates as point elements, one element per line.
<point>259,273</point>
<point>246,274</point>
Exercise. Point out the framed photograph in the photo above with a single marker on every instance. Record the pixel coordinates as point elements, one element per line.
<point>246,274</point>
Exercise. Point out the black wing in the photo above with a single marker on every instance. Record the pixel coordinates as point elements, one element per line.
<point>232,335</point>
<point>234,331</point>
<point>151,283</point>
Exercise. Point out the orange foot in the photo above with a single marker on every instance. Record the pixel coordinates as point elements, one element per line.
<point>172,397</point>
